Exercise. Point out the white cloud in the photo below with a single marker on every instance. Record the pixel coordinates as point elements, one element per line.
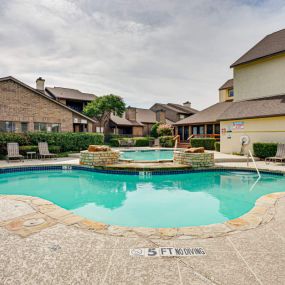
<point>144,50</point>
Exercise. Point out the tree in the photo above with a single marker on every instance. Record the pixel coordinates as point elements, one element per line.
<point>102,108</point>
<point>164,130</point>
<point>154,128</point>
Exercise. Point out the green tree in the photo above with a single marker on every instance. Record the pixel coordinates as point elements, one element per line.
<point>154,128</point>
<point>102,108</point>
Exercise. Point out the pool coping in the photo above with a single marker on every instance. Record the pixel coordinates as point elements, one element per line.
<point>262,213</point>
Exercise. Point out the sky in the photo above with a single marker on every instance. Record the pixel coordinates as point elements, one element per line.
<point>146,51</point>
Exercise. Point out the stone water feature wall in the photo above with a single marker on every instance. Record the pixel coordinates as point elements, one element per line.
<point>196,160</point>
<point>99,158</point>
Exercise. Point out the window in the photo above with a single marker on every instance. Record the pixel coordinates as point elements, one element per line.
<point>24,127</point>
<point>182,116</point>
<point>55,128</point>
<point>44,127</point>
<point>231,93</point>
<point>9,127</point>
<point>40,127</point>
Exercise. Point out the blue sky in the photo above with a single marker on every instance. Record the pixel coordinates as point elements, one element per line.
<point>146,51</point>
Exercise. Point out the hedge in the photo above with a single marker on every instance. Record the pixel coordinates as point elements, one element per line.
<point>217,146</point>
<point>207,143</point>
<point>139,141</point>
<point>263,150</point>
<point>27,148</point>
<point>66,141</point>
<point>166,141</point>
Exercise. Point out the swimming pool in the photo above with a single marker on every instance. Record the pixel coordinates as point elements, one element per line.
<point>147,155</point>
<point>190,199</point>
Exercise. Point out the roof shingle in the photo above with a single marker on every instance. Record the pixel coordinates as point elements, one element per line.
<point>227,85</point>
<point>255,108</point>
<point>270,45</point>
<point>208,115</point>
<point>67,93</point>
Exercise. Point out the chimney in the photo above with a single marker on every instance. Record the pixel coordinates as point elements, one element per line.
<point>131,113</point>
<point>187,104</point>
<point>160,116</point>
<point>40,84</point>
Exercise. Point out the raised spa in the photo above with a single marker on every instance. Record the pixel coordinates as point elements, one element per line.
<point>190,199</point>
<point>147,155</point>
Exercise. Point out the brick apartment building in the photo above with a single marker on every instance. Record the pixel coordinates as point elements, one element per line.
<point>24,108</point>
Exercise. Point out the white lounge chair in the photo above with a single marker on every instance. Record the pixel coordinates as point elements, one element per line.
<point>279,156</point>
<point>43,150</point>
<point>13,152</point>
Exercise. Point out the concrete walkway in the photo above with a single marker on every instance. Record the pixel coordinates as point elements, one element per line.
<point>68,255</point>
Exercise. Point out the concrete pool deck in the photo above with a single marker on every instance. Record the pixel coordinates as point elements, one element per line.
<point>63,253</point>
<point>66,254</point>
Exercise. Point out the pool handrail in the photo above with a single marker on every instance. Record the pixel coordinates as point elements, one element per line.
<point>253,160</point>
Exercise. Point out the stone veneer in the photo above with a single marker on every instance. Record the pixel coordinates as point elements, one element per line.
<point>196,160</point>
<point>99,158</point>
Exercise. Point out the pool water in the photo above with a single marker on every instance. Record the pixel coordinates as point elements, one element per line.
<point>192,199</point>
<point>150,155</point>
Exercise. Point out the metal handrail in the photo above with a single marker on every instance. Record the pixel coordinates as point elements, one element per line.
<point>254,163</point>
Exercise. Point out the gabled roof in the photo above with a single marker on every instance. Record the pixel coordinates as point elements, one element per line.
<point>68,93</point>
<point>177,108</point>
<point>143,116</point>
<point>270,45</point>
<point>227,85</point>
<point>44,95</point>
<point>255,108</point>
<point>183,108</point>
<point>122,121</point>
<point>208,115</point>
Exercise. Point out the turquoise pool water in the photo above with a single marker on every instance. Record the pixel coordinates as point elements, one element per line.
<point>151,155</point>
<point>198,198</point>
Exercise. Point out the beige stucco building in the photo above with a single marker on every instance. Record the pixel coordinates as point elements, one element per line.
<point>258,110</point>
<point>252,104</point>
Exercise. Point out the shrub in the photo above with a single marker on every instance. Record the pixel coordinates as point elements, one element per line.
<point>263,150</point>
<point>138,141</point>
<point>5,138</point>
<point>166,141</point>
<point>153,131</point>
<point>27,148</point>
<point>67,141</point>
<point>143,141</point>
<point>109,137</point>
<point>217,146</point>
<point>114,142</point>
<point>207,143</point>
<point>164,130</point>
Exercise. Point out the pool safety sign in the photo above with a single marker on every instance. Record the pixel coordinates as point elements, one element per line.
<point>168,251</point>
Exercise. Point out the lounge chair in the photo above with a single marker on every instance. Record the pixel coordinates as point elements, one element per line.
<point>127,142</point>
<point>43,150</point>
<point>13,152</point>
<point>279,156</point>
